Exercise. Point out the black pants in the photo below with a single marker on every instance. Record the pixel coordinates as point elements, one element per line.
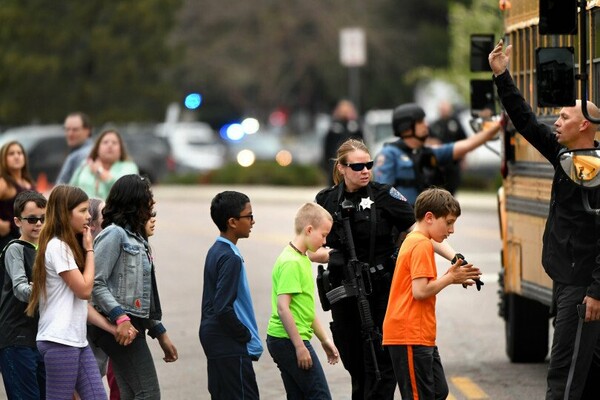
<point>419,369</point>
<point>232,378</point>
<point>355,351</point>
<point>586,377</point>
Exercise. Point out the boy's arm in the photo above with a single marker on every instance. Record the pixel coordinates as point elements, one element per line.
<point>424,288</point>
<point>326,342</point>
<point>443,249</point>
<point>287,319</point>
<point>226,287</point>
<point>15,268</point>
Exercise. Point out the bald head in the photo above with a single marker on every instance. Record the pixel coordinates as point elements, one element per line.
<point>573,130</point>
<point>592,110</point>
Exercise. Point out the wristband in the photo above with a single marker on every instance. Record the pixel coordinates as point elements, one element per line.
<point>458,256</point>
<point>122,319</point>
<point>87,251</point>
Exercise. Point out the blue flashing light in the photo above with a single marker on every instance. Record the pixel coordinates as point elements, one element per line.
<point>232,132</point>
<point>193,101</point>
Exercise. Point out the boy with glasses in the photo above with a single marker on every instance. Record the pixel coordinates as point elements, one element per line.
<point>22,365</point>
<point>228,329</point>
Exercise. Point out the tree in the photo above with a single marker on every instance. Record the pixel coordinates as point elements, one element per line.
<point>256,56</point>
<point>110,59</point>
<point>477,17</point>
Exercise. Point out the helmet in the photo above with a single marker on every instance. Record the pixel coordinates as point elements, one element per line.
<point>405,117</point>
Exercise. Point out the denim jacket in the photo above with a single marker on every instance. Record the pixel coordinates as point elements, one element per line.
<point>123,281</point>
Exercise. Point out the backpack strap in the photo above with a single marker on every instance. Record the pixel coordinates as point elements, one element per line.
<point>3,254</point>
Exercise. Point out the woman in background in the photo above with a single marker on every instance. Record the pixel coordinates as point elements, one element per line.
<point>14,178</point>
<point>108,161</point>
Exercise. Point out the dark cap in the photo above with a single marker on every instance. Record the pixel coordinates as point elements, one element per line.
<point>405,117</point>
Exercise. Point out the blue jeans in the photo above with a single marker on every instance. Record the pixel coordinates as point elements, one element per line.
<point>23,373</point>
<point>298,383</point>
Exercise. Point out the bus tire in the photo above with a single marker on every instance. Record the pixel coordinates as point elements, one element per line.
<point>526,326</point>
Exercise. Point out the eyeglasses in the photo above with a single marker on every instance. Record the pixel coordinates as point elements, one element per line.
<point>246,216</point>
<point>33,220</point>
<point>359,166</point>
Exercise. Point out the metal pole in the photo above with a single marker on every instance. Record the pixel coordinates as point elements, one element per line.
<point>354,86</point>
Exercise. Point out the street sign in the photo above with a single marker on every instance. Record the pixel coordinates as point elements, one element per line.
<point>353,47</point>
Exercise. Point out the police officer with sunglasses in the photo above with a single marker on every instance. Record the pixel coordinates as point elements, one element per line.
<point>377,212</point>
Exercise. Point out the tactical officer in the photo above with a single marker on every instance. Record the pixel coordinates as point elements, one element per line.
<point>412,167</point>
<point>378,212</point>
<point>448,129</point>
<point>344,125</point>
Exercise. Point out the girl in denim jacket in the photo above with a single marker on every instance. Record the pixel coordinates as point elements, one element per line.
<point>125,288</point>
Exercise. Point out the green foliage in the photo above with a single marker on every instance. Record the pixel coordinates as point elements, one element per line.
<point>260,173</point>
<point>126,60</point>
<point>465,19</point>
<point>110,59</point>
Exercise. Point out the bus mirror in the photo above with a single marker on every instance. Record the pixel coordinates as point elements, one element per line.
<point>482,98</point>
<point>582,166</point>
<point>481,47</point>
<point>558,17</point>
<point>555,76</point>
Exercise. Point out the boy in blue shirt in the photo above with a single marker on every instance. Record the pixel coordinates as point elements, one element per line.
<point>293,320</point>
<point>228,330</point>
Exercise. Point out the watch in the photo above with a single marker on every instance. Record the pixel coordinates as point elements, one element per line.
<point>456,257</point>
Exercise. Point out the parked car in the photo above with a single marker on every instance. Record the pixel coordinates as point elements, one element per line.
<point>195,146</point>
<point>45,146</point>
<point>262,145</point>
<point>377,129</point>
<point>47,149</point>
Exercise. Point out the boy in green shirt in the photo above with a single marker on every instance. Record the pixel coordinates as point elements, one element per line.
<point>293,320</point>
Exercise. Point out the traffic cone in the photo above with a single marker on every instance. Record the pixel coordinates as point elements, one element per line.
<point>42,185</point>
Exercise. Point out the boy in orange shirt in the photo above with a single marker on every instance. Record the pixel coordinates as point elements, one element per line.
<point>409,327</point>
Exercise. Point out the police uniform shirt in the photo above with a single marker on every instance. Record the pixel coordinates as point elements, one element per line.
<point>392,211</point>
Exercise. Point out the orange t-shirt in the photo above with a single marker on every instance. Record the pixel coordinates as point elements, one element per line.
<point>409,321</point>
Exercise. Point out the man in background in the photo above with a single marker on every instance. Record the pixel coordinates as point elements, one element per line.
<point>78,133</point>
<point>447,129</point>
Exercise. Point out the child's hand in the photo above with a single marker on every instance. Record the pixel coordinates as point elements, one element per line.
<point>466,273</point>
<point>303,357</point>
<point>87,241</point>
<point>168,348</point>
<point>333,355</point>
<point>131,335</point>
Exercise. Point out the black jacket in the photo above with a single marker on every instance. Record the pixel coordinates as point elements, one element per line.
<point>392,211</point>
<point>571,242</point>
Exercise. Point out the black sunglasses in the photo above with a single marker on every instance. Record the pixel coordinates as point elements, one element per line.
<point>246,216</point>
<point>359,166</point>
<point>33,220</point>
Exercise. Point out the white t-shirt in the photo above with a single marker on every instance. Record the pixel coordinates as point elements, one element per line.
<point>63,315</point>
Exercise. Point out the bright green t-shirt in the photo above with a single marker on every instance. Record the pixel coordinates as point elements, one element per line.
<point>292,274</point>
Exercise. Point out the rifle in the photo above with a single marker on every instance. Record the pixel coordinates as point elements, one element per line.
<point>353,285</point>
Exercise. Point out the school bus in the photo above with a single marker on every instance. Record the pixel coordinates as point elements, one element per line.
<point>523,200</point>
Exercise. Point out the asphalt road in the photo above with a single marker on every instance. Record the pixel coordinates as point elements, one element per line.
<point>470,334</point>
